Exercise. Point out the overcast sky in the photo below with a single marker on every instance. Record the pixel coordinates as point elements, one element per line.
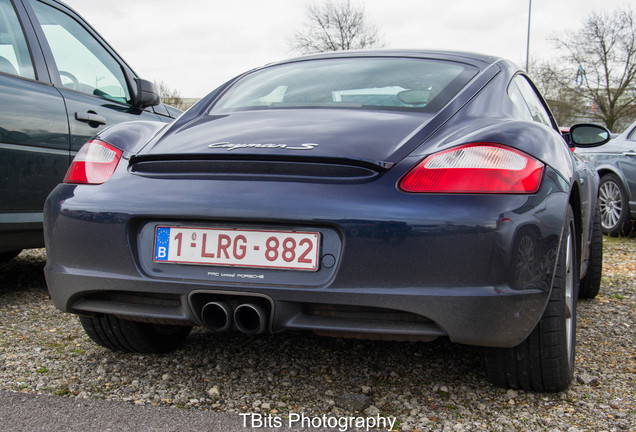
<point>195,45</point>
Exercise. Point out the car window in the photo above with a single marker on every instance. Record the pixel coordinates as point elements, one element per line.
<point>83,63</point>
<point>537,110</point>
<point>380,83</point>
<point>15,58</point>
<point>519,102</point>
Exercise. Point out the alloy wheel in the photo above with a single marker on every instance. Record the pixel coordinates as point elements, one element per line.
<point>610,202</point>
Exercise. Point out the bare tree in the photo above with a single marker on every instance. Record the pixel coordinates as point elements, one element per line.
<point>568,106</point>
<point>600,66</point>
<point>335,26</point>
<point>169,96</point>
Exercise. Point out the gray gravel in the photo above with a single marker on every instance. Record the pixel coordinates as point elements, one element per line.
<point>434,386</point>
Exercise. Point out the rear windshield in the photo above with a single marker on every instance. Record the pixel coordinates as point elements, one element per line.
<point>362,83</point>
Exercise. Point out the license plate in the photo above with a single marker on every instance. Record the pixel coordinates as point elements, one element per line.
<point>292,250</point>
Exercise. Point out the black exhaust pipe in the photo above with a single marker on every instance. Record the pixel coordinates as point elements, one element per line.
<point>250,318</point>
<point>217,316</point>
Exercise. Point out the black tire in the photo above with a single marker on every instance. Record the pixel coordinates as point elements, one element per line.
<point>132,336</point>
<point>8,256</point>
<point>591,283</point>
<point>544,361</point>
<point>612,199</point>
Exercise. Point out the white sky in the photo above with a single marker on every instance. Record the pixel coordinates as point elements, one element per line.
<point>193,46</point>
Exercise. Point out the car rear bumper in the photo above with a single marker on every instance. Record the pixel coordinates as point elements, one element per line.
<point>400,271</point>
<point>487,315</point>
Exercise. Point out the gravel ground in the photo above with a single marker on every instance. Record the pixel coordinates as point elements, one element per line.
<point>434,386</point>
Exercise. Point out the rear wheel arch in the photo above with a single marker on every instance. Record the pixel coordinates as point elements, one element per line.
<point>545,360</point>
<point>606,170</point>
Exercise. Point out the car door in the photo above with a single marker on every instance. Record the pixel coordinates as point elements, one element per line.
<point>627,164</point>
<point>34,131</point>
<point>95,82</point>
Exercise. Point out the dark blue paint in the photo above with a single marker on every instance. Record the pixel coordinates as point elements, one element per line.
<point>456,260</point>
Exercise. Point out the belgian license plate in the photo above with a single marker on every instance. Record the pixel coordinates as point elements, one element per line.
<point>292,250</point>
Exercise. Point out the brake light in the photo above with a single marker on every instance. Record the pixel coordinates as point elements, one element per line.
<point>94,163</point>
<point>475,168</point>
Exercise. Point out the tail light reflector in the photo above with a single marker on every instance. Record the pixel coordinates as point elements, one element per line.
<point>94,163</point>
<point>476,168</point>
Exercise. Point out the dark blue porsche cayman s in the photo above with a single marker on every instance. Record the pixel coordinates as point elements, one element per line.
<point>400,195</point>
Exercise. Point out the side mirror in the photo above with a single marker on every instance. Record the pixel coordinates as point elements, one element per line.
<point>147,94</point>
<point>589,135</point>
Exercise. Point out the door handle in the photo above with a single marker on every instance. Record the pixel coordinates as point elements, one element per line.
<point>630,153</point>
<point>90,117</point>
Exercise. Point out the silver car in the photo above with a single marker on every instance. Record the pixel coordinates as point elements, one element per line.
<point>615,163</point>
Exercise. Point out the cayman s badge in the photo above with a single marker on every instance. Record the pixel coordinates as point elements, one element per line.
<point>230,146</point>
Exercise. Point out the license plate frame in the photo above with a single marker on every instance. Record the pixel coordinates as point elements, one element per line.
<point>276,249</point>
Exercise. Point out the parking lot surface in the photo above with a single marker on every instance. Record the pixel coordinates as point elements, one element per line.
<point>212,379</point>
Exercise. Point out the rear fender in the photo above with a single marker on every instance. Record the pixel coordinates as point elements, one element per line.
<point>130,136</point>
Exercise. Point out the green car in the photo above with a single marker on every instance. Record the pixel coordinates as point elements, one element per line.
<point>60,84</point>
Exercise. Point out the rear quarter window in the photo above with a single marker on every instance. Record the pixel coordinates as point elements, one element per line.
<point>537,111</point>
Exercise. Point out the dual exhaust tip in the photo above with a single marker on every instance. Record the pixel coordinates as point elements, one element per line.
<point>249,318</point>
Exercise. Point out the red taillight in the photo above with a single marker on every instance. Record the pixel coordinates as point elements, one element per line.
<point>94,163</point>
<point>475,168</point>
